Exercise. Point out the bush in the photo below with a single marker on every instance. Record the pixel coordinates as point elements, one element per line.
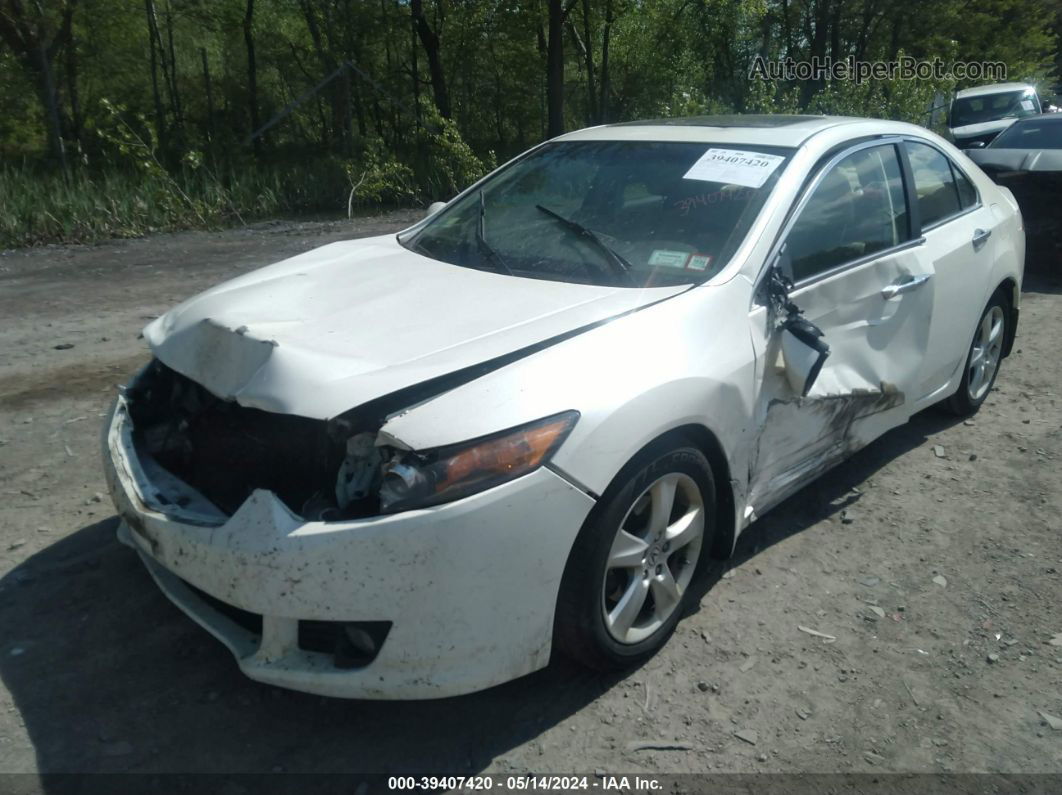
<point>439,164</point>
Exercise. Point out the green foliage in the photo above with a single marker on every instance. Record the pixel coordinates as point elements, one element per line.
<point>448,163</point>
<point>380,179</point>
<point>442,165</point>
<point>899,99</point>
<point>766,97</point>
<point>156,126</point>
<point>38,206</point>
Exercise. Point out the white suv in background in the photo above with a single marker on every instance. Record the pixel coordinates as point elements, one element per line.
<point>979,114</point>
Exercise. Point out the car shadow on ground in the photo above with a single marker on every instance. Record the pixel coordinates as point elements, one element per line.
<point>1043,265</point>
<point>1043,281</point>
<point>108,676</point>
<point>831,494</point>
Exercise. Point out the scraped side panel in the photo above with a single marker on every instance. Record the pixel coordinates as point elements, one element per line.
<point>803,437</point>
<point>877,346</point>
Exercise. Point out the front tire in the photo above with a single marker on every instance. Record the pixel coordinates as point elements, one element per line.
<point>983,358</point>
<point>629,576</point>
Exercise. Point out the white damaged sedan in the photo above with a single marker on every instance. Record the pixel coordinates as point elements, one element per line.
<point>412,466</point>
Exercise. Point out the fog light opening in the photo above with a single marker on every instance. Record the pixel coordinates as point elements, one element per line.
<point>352,644</point>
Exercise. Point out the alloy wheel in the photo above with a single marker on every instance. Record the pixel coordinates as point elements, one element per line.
<point>985,354</point>
<point>653,558</point>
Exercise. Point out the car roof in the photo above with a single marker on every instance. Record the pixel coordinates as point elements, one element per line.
<point>995,88</point>
<point>764,130</point>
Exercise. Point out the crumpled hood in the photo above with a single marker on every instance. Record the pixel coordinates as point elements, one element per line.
<point>328,330</point>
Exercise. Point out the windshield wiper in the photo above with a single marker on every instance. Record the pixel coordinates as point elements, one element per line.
<point>484,246</point>
<point>615,260</point>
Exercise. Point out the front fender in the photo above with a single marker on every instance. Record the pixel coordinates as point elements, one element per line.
<point>686,361</point>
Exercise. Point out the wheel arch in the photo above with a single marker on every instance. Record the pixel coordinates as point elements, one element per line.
<point>709,444</point>
<point>701,437</point>
<point>1010,290</point>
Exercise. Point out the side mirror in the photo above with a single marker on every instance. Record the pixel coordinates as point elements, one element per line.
<point>975,145</point>
<point>433,208</point>
<point>804,352</point>
<point>803,349</point>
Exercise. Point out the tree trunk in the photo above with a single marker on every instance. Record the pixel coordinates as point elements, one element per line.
<point>328,66</point>
<point>588,54</point>
<point>819,22</point>
<point>252,75</point>
<point>603,104</point>
<point>555,70</point>
<point>787,30</point>
<point>209,97</point>
<point>429,39</point>
<point>160,114</point>
<point>76,119</point>
<point>175,95</point>
<point>415,71</point>
<point>50,102</point>
<point>28,39</point>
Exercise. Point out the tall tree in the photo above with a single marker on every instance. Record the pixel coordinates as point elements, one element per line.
<point>430,40</point>
<point>555,70</point>
<point>155,46</point>
<point>252,75</point>
<point>28,35</point>
<point>606,39</point>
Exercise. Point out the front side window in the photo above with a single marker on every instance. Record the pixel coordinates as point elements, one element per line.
<point>624,213</point>
<point>857,209</point>
<point>935,184</point>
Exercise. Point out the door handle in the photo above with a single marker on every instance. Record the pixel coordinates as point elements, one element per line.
<point>912,283</point>
<point>981,237</point>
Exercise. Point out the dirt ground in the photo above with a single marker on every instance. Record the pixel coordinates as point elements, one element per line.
<point>933,557</point>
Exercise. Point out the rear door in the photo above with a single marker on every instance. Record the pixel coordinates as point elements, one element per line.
<point>861,276</point>
<point>960,236</point>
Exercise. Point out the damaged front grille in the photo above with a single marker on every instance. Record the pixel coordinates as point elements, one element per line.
<point>226,451</point>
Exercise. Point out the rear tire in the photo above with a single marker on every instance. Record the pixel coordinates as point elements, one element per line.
<point>983,358</point>
<point>629,577</point>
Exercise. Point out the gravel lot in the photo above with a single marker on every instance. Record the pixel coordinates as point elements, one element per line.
<point>933,558</point>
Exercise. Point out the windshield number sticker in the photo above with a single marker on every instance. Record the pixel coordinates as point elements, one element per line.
<point>699,262</point>
<point>669,259</point>
<point>1027,104</point>
<point>733,167</point>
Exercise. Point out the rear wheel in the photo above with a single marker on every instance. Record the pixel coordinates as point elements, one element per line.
<point>983,359</point>
<point>628,579</point>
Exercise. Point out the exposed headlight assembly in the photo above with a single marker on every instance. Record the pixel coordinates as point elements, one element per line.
<point>429,477</point>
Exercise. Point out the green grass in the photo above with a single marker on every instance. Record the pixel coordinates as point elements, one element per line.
<point>38,206</point>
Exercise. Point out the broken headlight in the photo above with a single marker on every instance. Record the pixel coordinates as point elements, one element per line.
<point>420,479</point>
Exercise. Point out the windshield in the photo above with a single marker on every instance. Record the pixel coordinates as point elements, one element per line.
<point>1030,135</point>
<point>989,107</point>
<point>626,213</point>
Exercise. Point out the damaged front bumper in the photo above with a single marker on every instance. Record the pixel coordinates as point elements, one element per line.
<point>465,591</point>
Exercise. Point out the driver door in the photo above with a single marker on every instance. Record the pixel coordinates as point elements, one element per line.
<point>859,277</point>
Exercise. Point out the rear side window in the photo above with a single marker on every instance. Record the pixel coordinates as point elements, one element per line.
<point>935,184</point>
<point>967,194</point>
<point>856,210</point>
